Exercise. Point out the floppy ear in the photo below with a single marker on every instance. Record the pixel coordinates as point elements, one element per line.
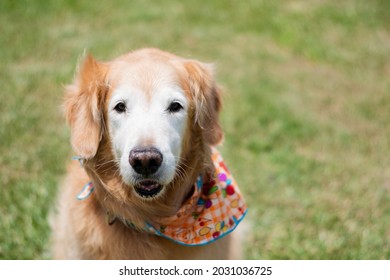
<point>207,96</point>
<point>83,107</point>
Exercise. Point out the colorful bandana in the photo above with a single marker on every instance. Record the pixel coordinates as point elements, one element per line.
<point>214,210</point>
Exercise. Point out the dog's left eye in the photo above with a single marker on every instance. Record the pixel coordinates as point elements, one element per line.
<point>120,107</point>
<point>174,107</point>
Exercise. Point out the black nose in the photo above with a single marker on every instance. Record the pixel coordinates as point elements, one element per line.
<point>145,161</point>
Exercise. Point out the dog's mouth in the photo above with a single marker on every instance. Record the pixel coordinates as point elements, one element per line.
<point>148,188</point>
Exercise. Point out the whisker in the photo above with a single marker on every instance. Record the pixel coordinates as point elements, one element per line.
<point>107,162</point>
<point>182,161</point>
<point>180,172</point>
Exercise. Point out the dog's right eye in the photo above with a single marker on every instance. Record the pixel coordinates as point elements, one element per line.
<point>174,107</point>
<point>120,107</point>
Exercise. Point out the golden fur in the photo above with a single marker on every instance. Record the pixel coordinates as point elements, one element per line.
<point>80,230</point>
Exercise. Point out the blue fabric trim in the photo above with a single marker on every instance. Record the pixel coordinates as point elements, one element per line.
<point>79,159</point>
<point>237,222</point>
<point>79,197</point>
<point>199,182</point>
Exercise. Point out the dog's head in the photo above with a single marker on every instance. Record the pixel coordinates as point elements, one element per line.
<point>149,112</point>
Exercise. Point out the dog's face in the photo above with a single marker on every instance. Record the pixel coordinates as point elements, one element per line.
<point>145,105</point>
<point>147,115</point>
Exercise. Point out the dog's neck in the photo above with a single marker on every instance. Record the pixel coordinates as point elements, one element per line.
<point>212,208</point>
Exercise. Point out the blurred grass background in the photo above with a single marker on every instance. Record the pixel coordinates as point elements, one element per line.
<point>306,116</point>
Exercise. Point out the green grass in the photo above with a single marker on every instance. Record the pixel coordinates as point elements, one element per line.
<point>306,113</point>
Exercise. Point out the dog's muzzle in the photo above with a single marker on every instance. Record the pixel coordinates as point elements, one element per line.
<point>146,162</point>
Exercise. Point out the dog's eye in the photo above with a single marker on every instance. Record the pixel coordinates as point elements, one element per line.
<point>120,107</point>
<point>174,107</point>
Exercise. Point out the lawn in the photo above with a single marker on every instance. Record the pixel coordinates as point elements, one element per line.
<point>306,112</point>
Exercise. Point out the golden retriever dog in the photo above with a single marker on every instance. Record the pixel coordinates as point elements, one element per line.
<point>149,182</point>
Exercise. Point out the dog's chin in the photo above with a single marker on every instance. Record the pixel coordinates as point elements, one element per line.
<point>148,189</point>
